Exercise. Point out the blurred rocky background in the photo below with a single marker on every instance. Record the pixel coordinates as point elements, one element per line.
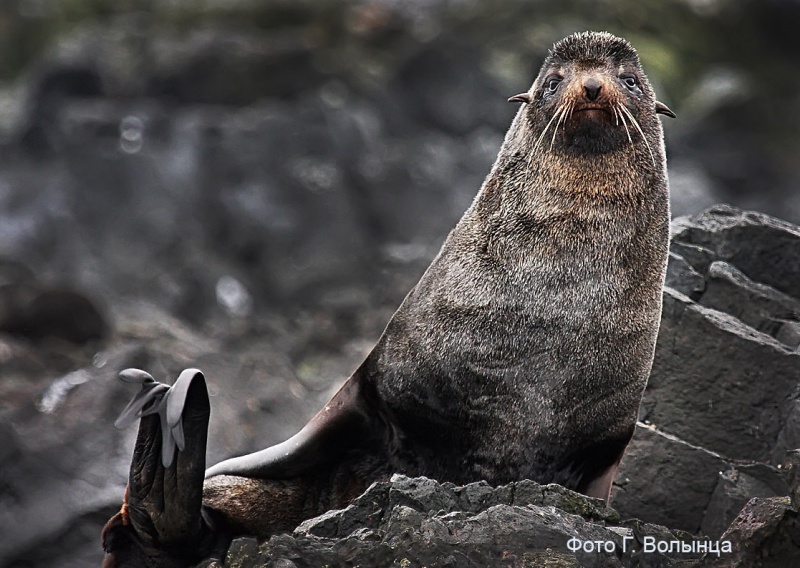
<point>251,187</point>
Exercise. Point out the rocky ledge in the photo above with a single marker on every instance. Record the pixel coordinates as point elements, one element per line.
<point>414,522</point>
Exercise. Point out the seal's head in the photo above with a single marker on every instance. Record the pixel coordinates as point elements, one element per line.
<point>592,88</point>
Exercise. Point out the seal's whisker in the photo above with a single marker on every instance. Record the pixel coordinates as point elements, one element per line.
<point>536,146</point>
<point>639,128</point>
<point>625,124</point>
<point>562,115</point>
<point>568,113</point>
<point>538,140</point>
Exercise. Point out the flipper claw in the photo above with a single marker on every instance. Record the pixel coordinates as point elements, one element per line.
<point>136,376</point>
<point>159,398</point>
<point>145,402</point>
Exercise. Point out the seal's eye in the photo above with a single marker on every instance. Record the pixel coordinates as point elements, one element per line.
<point>552,83</point>
<point>629,80</point>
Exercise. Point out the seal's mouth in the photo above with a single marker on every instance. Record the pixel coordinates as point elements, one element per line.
<point>593,110</point>
<point>590,108</point>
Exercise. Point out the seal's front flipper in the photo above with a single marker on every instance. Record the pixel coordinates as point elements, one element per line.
<point>161,522</point>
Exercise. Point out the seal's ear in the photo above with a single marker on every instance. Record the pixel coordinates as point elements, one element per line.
<point>520,98</point>
<point>661,108</point>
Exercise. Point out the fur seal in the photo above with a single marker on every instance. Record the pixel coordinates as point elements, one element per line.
<point>522,352</point>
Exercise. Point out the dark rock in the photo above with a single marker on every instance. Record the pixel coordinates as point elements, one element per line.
<point>399,523</point>
<point>766,534</point>
<point>792,475</point>
<point>21,359</point>
<point>760,306</point>
<point>673,483</point>
<point>242,553</point>
<point>215,66</point>
<point>435,77</point>
<point>35,311</point>
<point>402,523</point>
<point>708,362</point>
<point>698,257</point>
<point>735,487</point>
<point>47,473</point>
<point>666,480</point>
<point>734,343</point>
<point>764,248</point>
<point>50,87</point>
<point>59,314</point>
<point>789,438</point>
<point>723,392</point>
<point>683,278</point>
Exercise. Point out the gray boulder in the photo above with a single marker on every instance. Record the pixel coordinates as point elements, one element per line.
<point>721,407</point>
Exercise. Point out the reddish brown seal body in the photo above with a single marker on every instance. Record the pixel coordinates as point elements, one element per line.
<point>522,352</point>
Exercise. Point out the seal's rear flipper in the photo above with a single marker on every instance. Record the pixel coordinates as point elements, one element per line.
<point>161,522</point>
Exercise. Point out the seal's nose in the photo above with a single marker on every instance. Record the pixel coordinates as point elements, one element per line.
<point>592,88</point>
